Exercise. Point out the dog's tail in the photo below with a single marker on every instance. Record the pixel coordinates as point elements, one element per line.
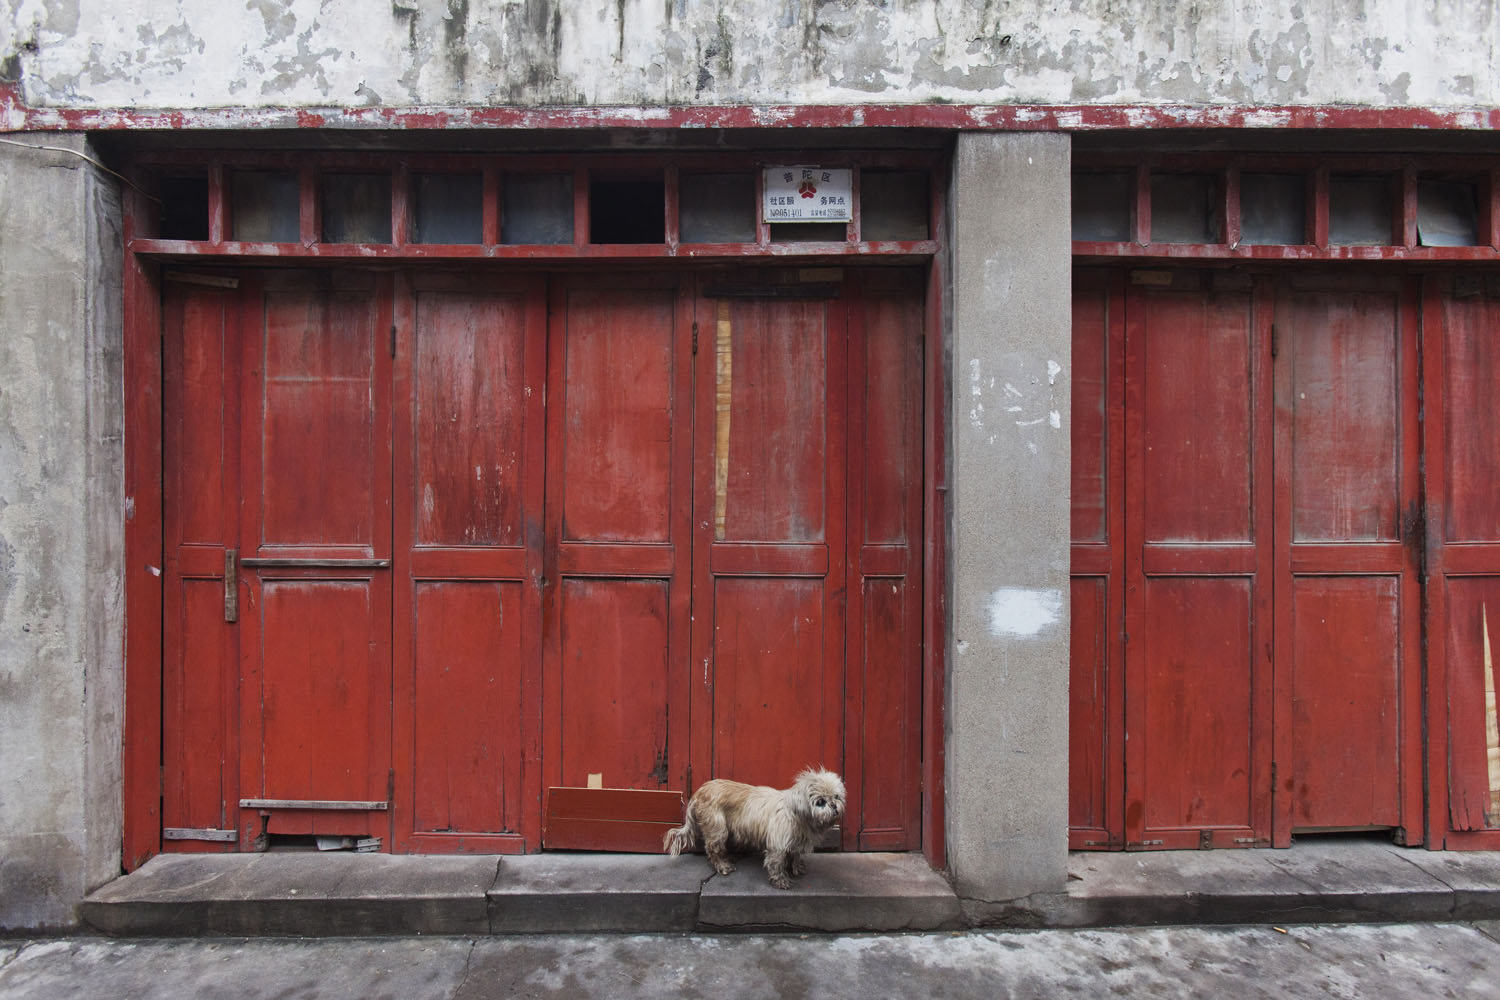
<point>681,838</point>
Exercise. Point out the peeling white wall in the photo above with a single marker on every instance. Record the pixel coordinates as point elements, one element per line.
<point>355,53</point>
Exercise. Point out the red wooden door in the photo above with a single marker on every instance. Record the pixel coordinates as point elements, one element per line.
<point>769,514</point>
<point>1461,351</point>
<point>1198,472</point>
<point>200,670</point>
<point>470,379</point>
<point>1268,497</point>
<point>1348,616</point>
<point>315,551</point>
<point>883,673</point>
<point>618,542</point>
<point>1096,687</point>
<point>491,539</point>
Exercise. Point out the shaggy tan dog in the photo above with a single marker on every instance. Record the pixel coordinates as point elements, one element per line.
<point>787,823</point>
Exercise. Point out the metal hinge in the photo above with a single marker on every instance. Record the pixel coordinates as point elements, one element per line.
<point>695,337</point>
<point>1205,840</point>
<point>198,833</point>
<point>1275,347</point>
<point>393,340</point>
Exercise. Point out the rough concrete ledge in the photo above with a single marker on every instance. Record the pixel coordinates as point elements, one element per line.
<point>576,893</point>
<point>324,895</point>
<point>840,892</point>
<point>1317,882</point>
<point>340,894</point>
<point>185,895</point>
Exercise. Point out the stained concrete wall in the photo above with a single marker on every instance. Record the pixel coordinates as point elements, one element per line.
<point>1010,458</point>
<point>353,53</point>
<point>61,620</point>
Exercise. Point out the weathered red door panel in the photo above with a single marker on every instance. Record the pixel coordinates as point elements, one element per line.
<point>1271,432</point>
<point>315,706</point>
<point>883,694</point>
<point>1461,351</point>
<point>465,541</point>
<point>618,540</point>
<point>200,651</point>
<point>1096,749</point>
<point>769,610</point>
<point>1347,720</point>
<point>469,388</point>
<point>1198,606</point>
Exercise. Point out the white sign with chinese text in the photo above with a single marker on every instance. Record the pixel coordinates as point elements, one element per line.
<point>808,194</point>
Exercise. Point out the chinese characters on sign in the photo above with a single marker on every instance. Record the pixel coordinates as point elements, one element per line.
<point>808,194</point>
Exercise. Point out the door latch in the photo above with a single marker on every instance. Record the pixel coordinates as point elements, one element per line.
<point>231,587</point>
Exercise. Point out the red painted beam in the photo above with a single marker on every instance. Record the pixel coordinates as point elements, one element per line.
<point>17,116</point>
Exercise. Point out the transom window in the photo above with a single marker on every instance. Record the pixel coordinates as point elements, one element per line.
<point>1287,207</point>
<point>391,205</point>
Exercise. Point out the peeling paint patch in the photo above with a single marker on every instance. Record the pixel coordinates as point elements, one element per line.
<point>1053,370</point>
<point>1023,611</point>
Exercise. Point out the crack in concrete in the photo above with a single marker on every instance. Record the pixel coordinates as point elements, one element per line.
<point>1432,875</point>
<point>468,969</point>
<point>489,904</point>
<point>1453,893</point>
<point>1493,937</point>
<point>1317,890</point>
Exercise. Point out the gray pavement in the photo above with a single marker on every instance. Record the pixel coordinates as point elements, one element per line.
<point>1428,960</point>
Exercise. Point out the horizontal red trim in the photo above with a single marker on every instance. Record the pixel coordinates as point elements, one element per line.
<point>590,251</point>
<point>1197,251</point>
<point>16,116</point>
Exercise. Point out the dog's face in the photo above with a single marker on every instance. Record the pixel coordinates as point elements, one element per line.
<point>821,795</point>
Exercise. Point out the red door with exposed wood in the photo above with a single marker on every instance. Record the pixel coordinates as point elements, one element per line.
<point>1461,351</point>
<point>443,546</point>
<point>1246,654</point>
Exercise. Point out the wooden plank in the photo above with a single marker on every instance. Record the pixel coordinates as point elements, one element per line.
<point>610,819</point>
<point>638,805</point>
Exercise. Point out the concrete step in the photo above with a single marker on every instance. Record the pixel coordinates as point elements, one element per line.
<point>360,894</point>
<point>1336,880</point>
<point>353,894</point>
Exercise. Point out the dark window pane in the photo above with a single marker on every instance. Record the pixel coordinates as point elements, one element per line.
<point>1360,210</point>
<point>627,210</point>
<point>716,208</point>
<point>184,207</point>
<point>1447,214</point>
<point>1102,202</point>
<point>447,208</point>
<point>537,209</point>
<point>809,232</point>
<point>357,208</point>
<point>1184,208</point>
<point>893,205</point>
<point>265,206</point>
<point>1273,209</point>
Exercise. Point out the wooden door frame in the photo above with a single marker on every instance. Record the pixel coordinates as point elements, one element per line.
<point>141,750</point>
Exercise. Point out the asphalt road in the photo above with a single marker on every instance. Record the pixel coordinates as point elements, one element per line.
<point>1328,960</point>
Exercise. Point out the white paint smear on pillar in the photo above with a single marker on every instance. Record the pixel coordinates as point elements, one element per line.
<point>1022,611</point>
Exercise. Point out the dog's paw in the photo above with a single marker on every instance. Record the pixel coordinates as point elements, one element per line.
<point>723,867</point>
<point>781,881</point>
<point>799,868</point>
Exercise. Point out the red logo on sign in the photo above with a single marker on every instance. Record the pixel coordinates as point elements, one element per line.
<point>808,189</point>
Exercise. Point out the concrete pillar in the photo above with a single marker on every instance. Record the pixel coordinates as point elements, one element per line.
<point>1007,760</point>
<point>61,530</point>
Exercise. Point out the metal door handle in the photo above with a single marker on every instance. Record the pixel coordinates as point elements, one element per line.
<point>231,588</point>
